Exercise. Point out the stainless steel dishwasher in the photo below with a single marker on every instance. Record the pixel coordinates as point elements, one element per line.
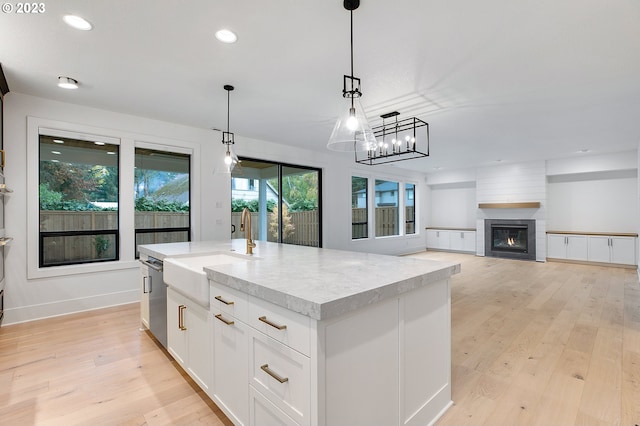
<point>156,288</point>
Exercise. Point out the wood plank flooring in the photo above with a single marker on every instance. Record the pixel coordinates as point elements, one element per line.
<point>543,343</point>
<point>532,344</point>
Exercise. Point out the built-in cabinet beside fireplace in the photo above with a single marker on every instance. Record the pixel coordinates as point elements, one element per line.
<point>452,239</point>
<point>611,248</point>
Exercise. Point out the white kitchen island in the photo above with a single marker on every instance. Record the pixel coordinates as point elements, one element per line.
<point>304,336</point>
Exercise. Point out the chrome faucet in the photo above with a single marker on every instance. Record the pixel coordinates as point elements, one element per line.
<point>247,214</point>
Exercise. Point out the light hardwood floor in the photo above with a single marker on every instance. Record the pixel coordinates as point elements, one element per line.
<point>532,343</point>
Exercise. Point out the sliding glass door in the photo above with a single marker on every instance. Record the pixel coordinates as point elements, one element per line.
<point>284,201</point>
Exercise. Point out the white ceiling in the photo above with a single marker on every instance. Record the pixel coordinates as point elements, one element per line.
<point>497,79</point>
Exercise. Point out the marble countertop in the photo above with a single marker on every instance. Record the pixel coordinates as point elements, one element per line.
<point>319,283</point>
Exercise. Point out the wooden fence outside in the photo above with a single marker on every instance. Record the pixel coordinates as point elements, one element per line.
<point>386,222</point>
<point>88,247</point>
<point>79,248</point>
<point>306,226</point>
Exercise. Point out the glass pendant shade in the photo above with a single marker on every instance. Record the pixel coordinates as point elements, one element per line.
<point>230,159</point>
<point>352,131</point>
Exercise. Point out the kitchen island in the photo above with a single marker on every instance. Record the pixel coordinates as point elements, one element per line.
<point>304,336</point>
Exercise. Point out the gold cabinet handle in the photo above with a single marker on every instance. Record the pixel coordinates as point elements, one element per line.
<point>276,376</point>
<point>2,159</point>
<point>272,324</point>
<point>221,318</point>
<point>223,301</point>
<point>181,309</point>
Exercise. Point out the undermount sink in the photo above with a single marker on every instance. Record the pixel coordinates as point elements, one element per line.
<point>186,274</point>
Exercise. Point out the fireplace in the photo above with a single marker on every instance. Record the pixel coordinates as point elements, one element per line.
<point>508,238</point>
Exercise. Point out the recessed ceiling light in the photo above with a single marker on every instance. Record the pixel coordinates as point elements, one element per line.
<point>98,143</point>
<point>77,22</point>
<point>67,83</point>
<point>111,153</point>
<point>226,36</point>
<point>58,141</point>
<point>56,152</point>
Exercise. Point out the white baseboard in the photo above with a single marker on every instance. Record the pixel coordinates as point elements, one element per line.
<point>70,306</point>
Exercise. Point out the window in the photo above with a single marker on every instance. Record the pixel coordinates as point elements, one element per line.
<point>359,207</point>
<point>284,201</point>
<point>162,191</point>
<point>393,203</point>
<point>386,219</point>
<point>78,198</point>
<point>410,208</point>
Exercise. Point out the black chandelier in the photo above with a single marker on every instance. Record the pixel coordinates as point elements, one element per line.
<point>396,141</point>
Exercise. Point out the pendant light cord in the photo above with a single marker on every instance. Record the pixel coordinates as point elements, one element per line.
<point>352,92</point>
<point>228,103</point>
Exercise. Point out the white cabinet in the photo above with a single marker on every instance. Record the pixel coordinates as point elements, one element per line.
<point>451,239</point>
<point>230,352</point>
<point>592,248</point>
<point>612,249</point>
<point>438,239</point>
<point>462,241</point>
<point>376,365</point>
<point>569,247</point>
<point>189,337</point>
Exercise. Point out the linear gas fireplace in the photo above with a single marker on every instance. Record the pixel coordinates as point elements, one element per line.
<point>509,238</point>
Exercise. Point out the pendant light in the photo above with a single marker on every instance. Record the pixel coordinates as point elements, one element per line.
<point>352,131</point>
<point>230,158</point>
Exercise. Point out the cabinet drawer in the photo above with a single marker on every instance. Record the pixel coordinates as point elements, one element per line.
<point>288,327</point>
<point>264,412</point>
<point>228,301</point>
<point>282,375</point>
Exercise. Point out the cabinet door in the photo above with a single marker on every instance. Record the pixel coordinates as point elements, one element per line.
<point>577,247</point>
<point>469,241</point>
<point>432,239</point>
<point>144,295</point>
<point>444,240</point>
<point>599,250</point>
<point>623,250</point>
<point>199,365</point>
<point>176,337</point>
<point>556,246</point>
<point>456,240</point>
<point>231,367</point>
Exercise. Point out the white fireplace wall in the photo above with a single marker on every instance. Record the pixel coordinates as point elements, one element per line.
<point>513,183</point>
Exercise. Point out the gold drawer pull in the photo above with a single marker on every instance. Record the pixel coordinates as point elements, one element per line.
<point>267,370</point>
<point>181,325</point>
<point>274,325</point>
<point>221,318</point>
<point>222,300</point>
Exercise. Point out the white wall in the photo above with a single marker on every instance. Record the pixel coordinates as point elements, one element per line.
<point>600,202</point>
<point>453,205</point>
<point>61,292</point>
<point>594,193</point>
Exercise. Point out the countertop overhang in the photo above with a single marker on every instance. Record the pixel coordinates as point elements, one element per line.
<point>319,283</point>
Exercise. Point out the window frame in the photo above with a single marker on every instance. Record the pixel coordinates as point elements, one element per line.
<point>128,140</point>
<point>280,166</point>
<point>171,150</point>
<point>402,181</point>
